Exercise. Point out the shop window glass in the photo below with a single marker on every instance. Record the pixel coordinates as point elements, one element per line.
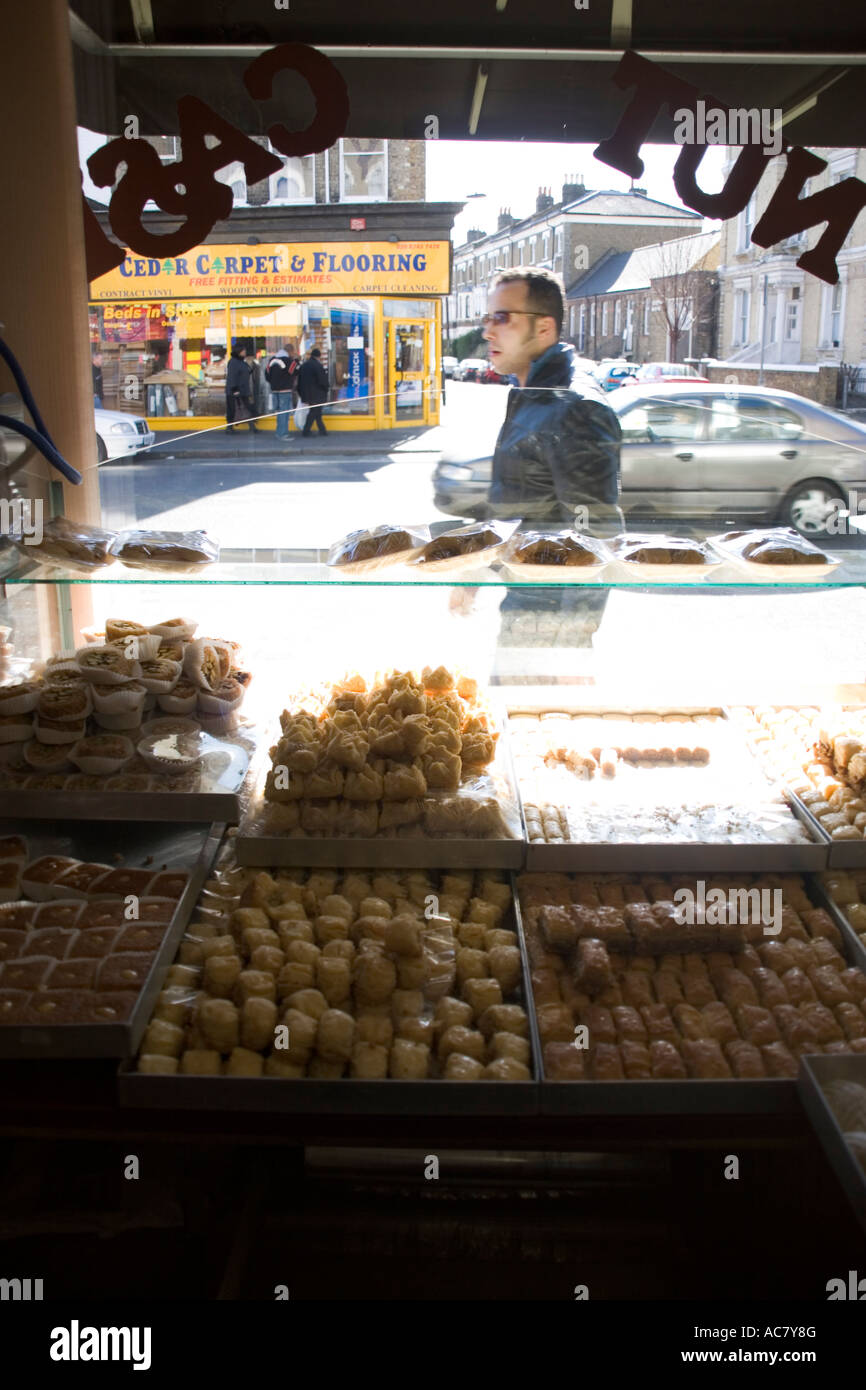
<point>363,169</point>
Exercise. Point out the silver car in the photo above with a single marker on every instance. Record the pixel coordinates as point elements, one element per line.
<point>710,451</point>
<point>704,450</point>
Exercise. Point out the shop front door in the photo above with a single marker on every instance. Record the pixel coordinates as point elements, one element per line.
<point>407,386</point>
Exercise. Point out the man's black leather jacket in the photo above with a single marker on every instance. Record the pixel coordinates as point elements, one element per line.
<point>558,448</point>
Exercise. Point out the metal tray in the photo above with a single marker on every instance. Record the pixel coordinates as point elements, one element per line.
<point>847,854</point>
<point>683,858</point>
<point>346,1096</point>
<point>287,851</point>
<point>220,802</point>
<point>854,948</point>
<point>762,1096</point>
<point>815,1073</point>
<point>191,847</point>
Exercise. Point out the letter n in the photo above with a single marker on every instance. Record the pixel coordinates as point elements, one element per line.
<point>788,213</point>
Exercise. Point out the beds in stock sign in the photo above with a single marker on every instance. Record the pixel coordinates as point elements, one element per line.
<point>335,267</point>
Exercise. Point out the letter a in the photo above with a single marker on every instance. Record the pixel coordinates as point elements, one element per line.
<point>431,1167</point>
<point>732,1166</point>
<point>131,1168</point>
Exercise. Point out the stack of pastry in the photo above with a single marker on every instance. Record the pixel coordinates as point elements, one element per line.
<point>77,940</point>
<point>79,725</point>
<point>821,755</point>
<point>653,777</point>
<point>743,1005</point>
<point>848,891</point>
<point>389,757</point>
<point>297,973</point>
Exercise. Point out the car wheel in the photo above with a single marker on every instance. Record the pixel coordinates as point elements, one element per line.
<point>101,451</point>
<point>811,506</point>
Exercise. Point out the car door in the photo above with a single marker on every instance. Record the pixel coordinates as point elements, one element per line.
<point>661,455</point>
<point>751,454</point>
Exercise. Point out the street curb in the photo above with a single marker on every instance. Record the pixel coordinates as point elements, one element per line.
<point>148,455</point>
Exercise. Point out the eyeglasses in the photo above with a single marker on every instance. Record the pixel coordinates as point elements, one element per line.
<point>501,316</point>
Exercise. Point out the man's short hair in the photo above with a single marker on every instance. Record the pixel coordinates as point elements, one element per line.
<point>316,352</point>
<point>545,293</point>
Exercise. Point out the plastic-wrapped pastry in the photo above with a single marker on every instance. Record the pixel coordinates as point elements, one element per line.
<point>107,666</point>
<point>463,1040</point>
<point>396,813</point>
<point>408,1061</point>
<point>463,540</point>
<point>442,770</point>
<point>369,1061</point>
<point>348,747</point>
<point>174,550</point>
<point>320,817</point>
<point>357,818</point>
<point>459,1067</point>
<point>704,1058</point>
<point>504,1018</point>
<point>326,781</point>
<point>336,1036</point>
<point>365,785</point>
<point>403,782</point>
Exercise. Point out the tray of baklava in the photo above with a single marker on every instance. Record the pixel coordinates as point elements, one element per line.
<point>88,926</point>
<point>653,789</point>
<point>136,723</point>
<point>833,1091</point>
<point>821,754</point>
<point>678,994</point>
<point>365,991</point>
<point>393,768</point>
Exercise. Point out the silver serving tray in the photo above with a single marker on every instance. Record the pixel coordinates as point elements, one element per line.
<point>346,1096</point>
<point>815,1073</point>
<point>854,948</point>
<point>190,847</point>
<point>691,1096</point>
<point>220,802</point>
<point>287,851</point>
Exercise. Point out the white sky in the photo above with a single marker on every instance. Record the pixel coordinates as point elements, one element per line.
<point>510,173</point>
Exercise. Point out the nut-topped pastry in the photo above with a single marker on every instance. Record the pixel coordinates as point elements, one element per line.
<point>108,666</point>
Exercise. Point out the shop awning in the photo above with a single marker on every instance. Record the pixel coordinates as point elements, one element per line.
<point>522,71</point>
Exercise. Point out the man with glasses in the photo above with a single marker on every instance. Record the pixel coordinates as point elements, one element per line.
<point>556,460</point>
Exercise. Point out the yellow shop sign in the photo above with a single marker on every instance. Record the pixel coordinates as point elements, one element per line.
<point>283,268</point>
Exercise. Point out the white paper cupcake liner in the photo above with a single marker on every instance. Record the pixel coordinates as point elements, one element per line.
<point>183,631</point>
<point>118,723</point>
<point>173,703</point>
<point>20,704</point>
<point>61,765</point>
<point>102,675</point>
<point>13,752</point>
<point>18,732</point>
<point>119,699</point>
<point>102,765</point>
<point>156,686</point>
<point>69,735</point>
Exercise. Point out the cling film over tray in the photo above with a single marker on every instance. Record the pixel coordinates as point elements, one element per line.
<point>297,974</point>
<point>399,754</point>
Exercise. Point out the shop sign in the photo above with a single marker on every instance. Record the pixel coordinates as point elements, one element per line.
<point>356,383</point>
<point>284,268</point>
<point>786,214</point>
<point>188,188</point>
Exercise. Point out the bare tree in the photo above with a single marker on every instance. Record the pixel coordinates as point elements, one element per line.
<point>680,285</point>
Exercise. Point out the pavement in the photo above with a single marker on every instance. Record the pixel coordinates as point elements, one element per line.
<point>243,443</point>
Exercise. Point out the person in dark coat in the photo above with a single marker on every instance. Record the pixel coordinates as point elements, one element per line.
<point>313,390</point>
<point>556,459</point>
<point>238,388</point>
<point>96,361</point>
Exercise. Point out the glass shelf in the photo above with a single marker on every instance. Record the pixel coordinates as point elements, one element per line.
<point>309,568</point>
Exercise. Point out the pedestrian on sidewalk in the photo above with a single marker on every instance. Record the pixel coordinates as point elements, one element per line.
<point>239,402</point>
<point>313,390</point>
<point>281,374</point>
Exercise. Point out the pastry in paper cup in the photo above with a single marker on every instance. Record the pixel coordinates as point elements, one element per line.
<point>170,724</point>
<point>64,677</point>
<point>140,647</point>
<point>228,696</point>
<point>160,676</point>
<point>218,724</point>
<point>12,753</point>
<point>100,755</point>
<point>181,700</point>
<point>175,629</point>
<point>119,699</point>
<point>58,731</point>
<point>123,723</point>
<point>48,757</point>
<point>107,666</point>
<point>19,697</point>
<point>64,702</point>
<point>15,728</point>
<point>203,664</point>
<point>172,753</point>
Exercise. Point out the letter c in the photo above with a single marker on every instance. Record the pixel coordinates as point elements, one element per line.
<point>326,83</point>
